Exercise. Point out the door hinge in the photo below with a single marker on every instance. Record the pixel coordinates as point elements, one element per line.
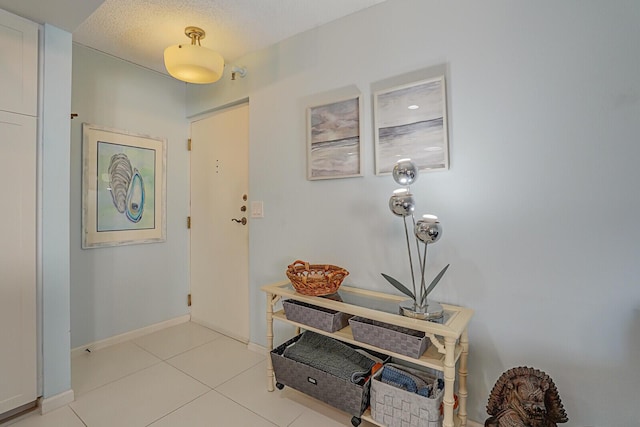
<point>189,300</point>
<point>189,222</point>
<point>189,144</point>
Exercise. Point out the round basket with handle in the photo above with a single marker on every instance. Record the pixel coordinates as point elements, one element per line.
<point>315,279</point>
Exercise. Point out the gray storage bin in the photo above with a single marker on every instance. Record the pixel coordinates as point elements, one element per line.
<point>394,338</point>
<point>337,392</point>
<point>394,407</point>
<point>317,317</point>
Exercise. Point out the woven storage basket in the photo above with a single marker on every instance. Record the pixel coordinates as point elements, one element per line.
<point>315,279</point>
<point>390,337</point>
<point>337,392</point>
<point>314,316</point>
<point>394,407</point>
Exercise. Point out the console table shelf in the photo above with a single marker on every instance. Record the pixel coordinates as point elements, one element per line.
<point>449,339</point>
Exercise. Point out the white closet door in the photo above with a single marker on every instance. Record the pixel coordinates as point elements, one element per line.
<point>18,64</point>
<point>17,261</point>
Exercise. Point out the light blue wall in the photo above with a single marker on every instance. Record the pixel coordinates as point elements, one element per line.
<point>54,158</point>
<point>116,290</point>
<point>539,207</point>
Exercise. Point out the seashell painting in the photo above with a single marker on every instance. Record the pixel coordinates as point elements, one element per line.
<point>120,174</point>
<point>135,198</point>
<point>126,187</point>
<point>123,188</point>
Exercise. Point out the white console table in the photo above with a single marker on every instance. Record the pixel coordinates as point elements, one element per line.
<point>450,341</point>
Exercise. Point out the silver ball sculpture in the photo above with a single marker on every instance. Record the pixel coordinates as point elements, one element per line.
<point>401,203</point>
<point>405,172</point>
<point>426,230</point>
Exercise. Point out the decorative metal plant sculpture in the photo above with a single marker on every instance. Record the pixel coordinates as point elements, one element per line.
<point>525,397</point>
<point>426,230</point>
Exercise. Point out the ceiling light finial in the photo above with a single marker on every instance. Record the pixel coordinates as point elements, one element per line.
<point>193,63</point>
<point>195,34</point>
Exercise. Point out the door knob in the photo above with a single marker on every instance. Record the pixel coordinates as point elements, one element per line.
<point>242,221</point>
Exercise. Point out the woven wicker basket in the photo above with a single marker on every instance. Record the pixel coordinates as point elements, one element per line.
<point>315,279</point>
<point>391,406</point>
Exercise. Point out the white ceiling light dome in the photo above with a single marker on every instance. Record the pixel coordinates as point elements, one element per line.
<point>193,63</point>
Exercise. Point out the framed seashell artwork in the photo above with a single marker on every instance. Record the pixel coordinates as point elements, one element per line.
<point>123,187</point>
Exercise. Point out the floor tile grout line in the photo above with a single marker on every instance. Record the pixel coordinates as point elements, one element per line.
<point>189,375</point>
<point>213,389</point>
<point>248,408</point>
<point>216,336</point>
<point>146,350</point>
<point>181,406</point>
<point>133,373</point>
<point>208,389</point>
<point>181,352</point>
<point>155,362</point>
<point>245,407</point>
<point>233,339</point>
<point>159,360</point>
<point>226,381</point>
<point>295,419</point>
<point>239,373</point>
<point>77,415</point>
<point>192,348</point>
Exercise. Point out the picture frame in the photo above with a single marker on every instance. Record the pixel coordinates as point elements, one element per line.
<point>334,146</point>
<point>410,121</point>
<point>123,187</point>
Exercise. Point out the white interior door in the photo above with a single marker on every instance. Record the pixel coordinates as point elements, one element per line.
<point>17,261</point>
<point>220,245</point>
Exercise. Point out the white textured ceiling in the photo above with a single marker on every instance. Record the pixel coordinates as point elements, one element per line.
<point>65,14</point>
<point>140,30</point>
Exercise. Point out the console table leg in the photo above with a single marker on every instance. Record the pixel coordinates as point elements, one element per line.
<point>449,380</point>
<point>270,375</point>
<point>462,378</point>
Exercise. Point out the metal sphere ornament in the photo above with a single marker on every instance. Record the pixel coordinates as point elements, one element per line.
<point>405,172</point>
<point>401,203</point>
<point>428,229</point>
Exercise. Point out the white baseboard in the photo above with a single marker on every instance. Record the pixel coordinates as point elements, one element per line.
<point>117,339</point>
<point>54,402</point>
<point>257,348</point>
<point>230,334</point>
<point>474,424</point>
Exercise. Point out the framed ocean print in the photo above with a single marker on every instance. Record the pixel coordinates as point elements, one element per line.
<point>123,187</point>
<point>411,122</point>
<point>334,148</point>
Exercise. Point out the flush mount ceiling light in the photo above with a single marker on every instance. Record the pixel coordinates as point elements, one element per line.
<point>193,63</point>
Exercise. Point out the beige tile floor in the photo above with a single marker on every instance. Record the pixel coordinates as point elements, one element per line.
<point>185,375</point>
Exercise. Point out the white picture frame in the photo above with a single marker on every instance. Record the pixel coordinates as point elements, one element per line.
<point>334,145</point>
<point>410,121</point>
<point>123,187</point>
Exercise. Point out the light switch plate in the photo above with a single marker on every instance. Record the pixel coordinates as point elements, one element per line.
<point>257,209</point>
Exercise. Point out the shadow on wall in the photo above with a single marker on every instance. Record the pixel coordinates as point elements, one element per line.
<point>634,335</point>
<point>575,388</point>
<point>265,67</point>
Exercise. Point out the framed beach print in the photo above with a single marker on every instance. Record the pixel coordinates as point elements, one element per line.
<point>123,188</point>
<point>411,122</point>
<point>334,149</point>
